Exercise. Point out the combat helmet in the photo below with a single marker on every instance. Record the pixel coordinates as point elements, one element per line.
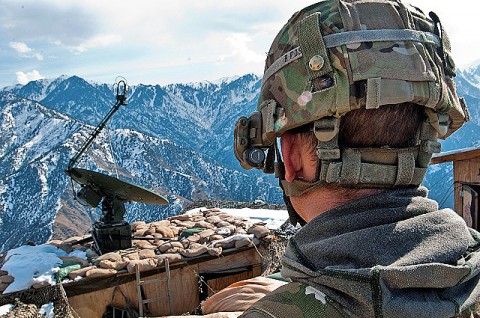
<point>336,56</point>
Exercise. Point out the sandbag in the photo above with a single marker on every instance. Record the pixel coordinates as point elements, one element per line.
<point>100,272</point>
<point>161,223</point>
<point>117,265</point>
<point>143,265</point>
<point>80,272</point>
<point>259,231</point>
<point>170,246</point>
<point>194,250</point>
<point>112,256</point>
<point>7,279</point>
<point>172,257</point>
<point>74,259</point>
<point>66,269</point>
<point>132,256</point>
<point>143,254</point>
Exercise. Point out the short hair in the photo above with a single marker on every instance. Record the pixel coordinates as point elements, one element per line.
<point>393,126</point>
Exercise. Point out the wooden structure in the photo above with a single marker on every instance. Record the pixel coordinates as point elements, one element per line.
<point>466,176</point>
<point>141,282</point>
<point>191,280</point>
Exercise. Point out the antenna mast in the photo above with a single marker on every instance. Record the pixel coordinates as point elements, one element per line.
<point>121,92</point>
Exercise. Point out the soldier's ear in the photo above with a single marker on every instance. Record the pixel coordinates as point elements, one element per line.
<point>292,156</point>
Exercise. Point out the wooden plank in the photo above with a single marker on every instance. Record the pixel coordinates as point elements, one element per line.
<point>464,172</point>
<point>257,271</point>
<point>185,296</point>
<point>468,171</point>
<point>223,263</point>
<point>457,190</point>
<point>95,303</point>
<point>467,155</point>
<point>217,284</point>
<point>467,206</point>
<point>476,209</point>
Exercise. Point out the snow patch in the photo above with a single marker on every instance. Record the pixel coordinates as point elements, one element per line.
<point>434,168</point>
<point>79,254</point>
<point>5,309</point>
<point>273,219</point>
<point>32,264</point>
<point>224,80</point>
<point>470,66</point>
<point>47,310</point>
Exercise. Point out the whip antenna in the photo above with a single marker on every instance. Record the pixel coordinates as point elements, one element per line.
<point>121,96</point>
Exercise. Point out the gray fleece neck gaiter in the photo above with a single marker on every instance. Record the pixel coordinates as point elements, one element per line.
<point>393,254</point>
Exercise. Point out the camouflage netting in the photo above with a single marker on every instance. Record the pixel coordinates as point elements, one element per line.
<point>27,303</point>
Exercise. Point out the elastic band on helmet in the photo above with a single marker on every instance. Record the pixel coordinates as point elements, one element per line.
<point>350,37</point>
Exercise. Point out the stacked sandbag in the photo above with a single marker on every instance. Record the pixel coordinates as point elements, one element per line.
<point>5,280</point>
<point>82,255</point>
<point>191,235</point>
<point>204,233</point>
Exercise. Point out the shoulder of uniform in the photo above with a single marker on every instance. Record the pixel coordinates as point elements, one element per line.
<point>295,300</point>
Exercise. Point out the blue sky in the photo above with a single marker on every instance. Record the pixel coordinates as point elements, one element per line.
<point>161,42</point>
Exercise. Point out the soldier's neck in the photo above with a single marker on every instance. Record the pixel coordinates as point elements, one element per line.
<point>318,201</point>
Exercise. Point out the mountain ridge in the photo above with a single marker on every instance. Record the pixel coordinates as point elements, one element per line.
<point>174,170</point>
<point>176,139</point>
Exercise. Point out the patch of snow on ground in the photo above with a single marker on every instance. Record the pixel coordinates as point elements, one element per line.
<point>79,254</point>
<point>5,309</point>
<point>32,264</point>
<point>47,310</point>
<point>273,218</point>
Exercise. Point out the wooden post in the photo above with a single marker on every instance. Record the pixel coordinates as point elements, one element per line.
<point>169,287</point>
<point>139,291</point>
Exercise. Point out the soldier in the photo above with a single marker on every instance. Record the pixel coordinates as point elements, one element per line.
<point>358,92</point>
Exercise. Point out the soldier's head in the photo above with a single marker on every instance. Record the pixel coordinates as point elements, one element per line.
<point>365,85</point>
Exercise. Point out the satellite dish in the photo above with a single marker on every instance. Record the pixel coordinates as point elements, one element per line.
<point>107,186</point>
<point>111,232</point>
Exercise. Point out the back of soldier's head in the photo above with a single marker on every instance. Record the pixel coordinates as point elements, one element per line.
<point>371,80</point>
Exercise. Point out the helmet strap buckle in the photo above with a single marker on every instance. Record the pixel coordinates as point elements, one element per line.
<point>326,132</point>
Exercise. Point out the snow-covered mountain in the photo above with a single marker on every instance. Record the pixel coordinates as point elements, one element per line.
<point>173,144</point>
<point>176,139</point>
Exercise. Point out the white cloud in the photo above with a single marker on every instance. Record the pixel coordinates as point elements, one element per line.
<point>96,41</point>
<point>20,47</point>
<point>24,78</point>
<point>238,42</point>
<point>67,21</point>
<point>23,49</point>
<point>176,40</point>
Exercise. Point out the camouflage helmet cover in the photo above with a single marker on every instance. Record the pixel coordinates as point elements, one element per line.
<point>373,52</point>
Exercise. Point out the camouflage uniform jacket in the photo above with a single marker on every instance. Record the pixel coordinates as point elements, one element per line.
<point>296,300</point>
<point>392,254</point>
